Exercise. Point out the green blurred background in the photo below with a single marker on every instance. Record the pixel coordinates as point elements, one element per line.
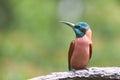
<point>34,43</point>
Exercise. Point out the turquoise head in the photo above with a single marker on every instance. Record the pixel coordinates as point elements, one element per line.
<point>79,28</point>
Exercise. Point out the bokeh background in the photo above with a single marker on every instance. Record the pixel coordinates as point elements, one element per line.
<point>33,42</point>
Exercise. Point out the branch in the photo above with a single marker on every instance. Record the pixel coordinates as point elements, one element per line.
<point>93,73</point>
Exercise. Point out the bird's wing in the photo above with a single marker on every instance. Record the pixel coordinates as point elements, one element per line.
<point>71,48</point>
<point>90,50</point>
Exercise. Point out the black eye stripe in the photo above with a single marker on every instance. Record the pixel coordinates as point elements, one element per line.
<point>82,29</point>
<point>77,26</point>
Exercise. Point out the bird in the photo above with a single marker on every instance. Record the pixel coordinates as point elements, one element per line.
<point>80,50</point>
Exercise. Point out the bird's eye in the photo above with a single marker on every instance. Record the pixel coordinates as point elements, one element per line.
<point>77,26</point>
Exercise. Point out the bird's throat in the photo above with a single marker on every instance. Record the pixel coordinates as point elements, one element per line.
<point>78,33</point>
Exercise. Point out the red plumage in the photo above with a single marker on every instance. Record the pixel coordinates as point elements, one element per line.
<point>80,51</point>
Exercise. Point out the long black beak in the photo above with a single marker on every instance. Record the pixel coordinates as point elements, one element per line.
<point>68,23</point>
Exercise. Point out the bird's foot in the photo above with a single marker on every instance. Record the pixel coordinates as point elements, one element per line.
<point>72,70</point>
<point>85,69</point>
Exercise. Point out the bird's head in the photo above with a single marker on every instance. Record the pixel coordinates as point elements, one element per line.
<point>79,28</point>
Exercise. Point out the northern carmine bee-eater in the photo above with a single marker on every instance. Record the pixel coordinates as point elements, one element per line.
<point>80,50</point>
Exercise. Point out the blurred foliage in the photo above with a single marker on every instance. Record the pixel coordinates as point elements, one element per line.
<point>34,43</point>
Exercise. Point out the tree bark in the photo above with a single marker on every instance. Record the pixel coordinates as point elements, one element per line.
<point>93,73</point>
